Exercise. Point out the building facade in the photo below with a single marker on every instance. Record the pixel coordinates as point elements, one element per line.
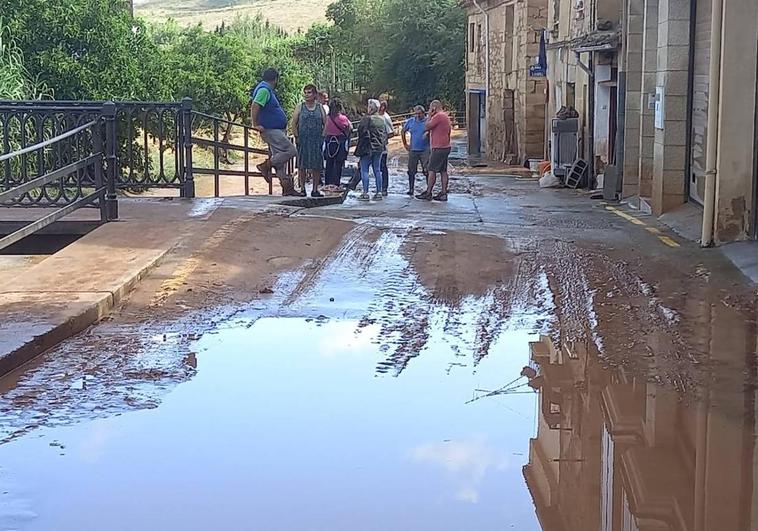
<point>505,96</point>
<point>666,94</point>
<point>690,124</point>
<point>583,52</point>
<point>615,452</point>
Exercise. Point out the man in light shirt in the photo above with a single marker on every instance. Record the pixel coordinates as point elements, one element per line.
<point>390,129</point>
<point>417,147</point>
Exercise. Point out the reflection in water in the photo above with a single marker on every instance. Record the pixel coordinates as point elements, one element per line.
<point>469,460</point>
<point>615,452</point>
<point>302,435</point>
<point>380,389</point>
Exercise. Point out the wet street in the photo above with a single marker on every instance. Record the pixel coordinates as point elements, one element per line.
<point>514,359</point>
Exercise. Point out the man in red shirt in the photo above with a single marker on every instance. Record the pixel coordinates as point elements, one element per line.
<point>439,128</point>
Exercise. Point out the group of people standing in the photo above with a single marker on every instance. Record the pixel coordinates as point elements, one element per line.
<point>322,141</point>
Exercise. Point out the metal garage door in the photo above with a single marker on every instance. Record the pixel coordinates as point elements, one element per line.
<point>700,100</point>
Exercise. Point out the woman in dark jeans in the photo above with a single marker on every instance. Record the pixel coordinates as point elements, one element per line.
<point>336,142</point>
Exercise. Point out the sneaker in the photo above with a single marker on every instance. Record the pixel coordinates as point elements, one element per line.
<point>265,168</point>
<point>316,193</point>
<point>409,192</point>
<point>426,196</point>
<point>440,197</point>
<point>384,193</point>
<point>363,197</point>
<point>301,193</point>
<point>378,197</point>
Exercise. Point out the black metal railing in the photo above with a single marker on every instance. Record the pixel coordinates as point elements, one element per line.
<point>68,171</point>
<point>152,147</point>
<point>149,138</point>
<point>221,147</point>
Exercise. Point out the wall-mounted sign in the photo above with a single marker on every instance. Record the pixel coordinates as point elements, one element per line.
<point>537,71</point>
<point>659,107</point>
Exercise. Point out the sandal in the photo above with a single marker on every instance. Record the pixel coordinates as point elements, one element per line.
<point>440,197</point>
<point>426,196</point>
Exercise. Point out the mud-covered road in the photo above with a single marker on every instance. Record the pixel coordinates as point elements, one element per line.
<point>513,359</point>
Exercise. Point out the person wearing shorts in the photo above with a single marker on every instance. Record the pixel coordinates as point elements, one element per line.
<point>418,147</point>
<point>439,128</point>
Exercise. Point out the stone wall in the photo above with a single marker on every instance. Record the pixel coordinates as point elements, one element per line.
<point>514,46</point>
<point>736,177</point>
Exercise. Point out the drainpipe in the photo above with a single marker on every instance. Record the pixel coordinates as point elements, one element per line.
<point>590,71</point>
<point>714,100</point>
<point>486,60</point>
<point>618,156</point>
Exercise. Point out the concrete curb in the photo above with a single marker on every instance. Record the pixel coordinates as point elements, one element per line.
<point>91,313</point>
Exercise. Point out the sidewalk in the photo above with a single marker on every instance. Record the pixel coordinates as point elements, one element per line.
<point>78,286</point>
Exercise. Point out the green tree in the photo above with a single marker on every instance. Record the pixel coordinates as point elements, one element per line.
<point>84,49</point>
<point>212,69</point>
<point>422,51</point>
<point>15,81</point>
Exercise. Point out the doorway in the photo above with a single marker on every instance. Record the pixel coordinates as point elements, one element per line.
<point>477,121</point>
<point>754,229</point>
<point>698,133</point>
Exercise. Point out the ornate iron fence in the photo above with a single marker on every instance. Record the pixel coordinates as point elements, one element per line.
<point>150,142</point>
<point>70,170</point>
<point>152,147</point>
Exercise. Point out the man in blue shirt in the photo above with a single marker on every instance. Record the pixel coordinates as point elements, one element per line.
<point>418,149</point>
<point>268,118</point>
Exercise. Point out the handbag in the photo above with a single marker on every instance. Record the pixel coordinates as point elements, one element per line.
<point>333,146</point>
<point>363,147</point>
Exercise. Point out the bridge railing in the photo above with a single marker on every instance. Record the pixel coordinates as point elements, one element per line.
<point>221,144</point>
<point>68,171</point>
<point>149,143</point>
<point>153,143</point>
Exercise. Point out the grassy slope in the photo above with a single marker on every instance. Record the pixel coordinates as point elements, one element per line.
<point>288,14</point>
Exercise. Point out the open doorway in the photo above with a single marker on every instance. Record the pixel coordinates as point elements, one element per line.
<point>476,120</point>
<point>754,228</point>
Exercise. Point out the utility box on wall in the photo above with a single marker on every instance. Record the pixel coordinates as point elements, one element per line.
<point>659,107</point>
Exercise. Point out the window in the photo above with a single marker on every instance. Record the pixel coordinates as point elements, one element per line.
<point>478,37</point>
<point>471,37</point>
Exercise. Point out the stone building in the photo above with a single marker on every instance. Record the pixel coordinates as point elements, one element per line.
<point>505,96</point>
<point>672,127</point>
<point>583,46</point>
<point>658,109</point>
<point>691,111</point>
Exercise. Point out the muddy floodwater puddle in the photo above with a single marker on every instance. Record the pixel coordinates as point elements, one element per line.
<point>404,382</point>
<point>288,425</point>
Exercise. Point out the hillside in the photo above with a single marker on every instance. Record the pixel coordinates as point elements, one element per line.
<point>290,15</point>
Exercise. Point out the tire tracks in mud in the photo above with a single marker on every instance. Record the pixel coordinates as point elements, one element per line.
<point>657,332</point>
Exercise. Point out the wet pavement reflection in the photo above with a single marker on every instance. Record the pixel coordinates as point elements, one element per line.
<point>302,436</point>
<point>403,382</point>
